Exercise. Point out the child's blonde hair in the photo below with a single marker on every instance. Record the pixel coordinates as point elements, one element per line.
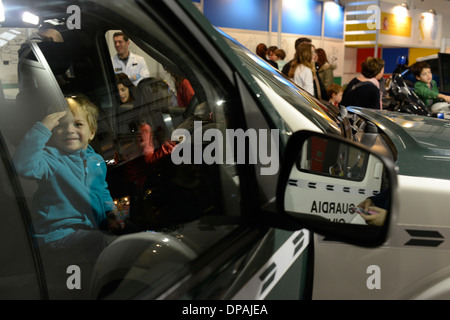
<point>91,110</point>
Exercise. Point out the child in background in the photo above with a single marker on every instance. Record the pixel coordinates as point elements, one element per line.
<point>335,92</point>
<point>280,55</point>
<point>426,88</point>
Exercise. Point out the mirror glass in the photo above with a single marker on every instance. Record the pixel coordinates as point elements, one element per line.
<point>338,181</point>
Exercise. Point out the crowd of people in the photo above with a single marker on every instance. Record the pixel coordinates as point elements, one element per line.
<point>309,68</point>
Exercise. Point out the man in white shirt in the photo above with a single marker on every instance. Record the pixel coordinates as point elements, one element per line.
<point>125,61</point>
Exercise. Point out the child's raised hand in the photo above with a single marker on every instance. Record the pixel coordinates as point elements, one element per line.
<point>52,120</point>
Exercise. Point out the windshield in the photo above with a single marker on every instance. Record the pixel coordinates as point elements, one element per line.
<point>307,105</point>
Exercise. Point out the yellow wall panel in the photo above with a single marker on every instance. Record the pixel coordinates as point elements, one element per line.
<point>415,53</point>
<point>361,37</point>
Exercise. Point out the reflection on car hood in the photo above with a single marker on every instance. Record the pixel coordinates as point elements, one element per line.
<point>423,143</point>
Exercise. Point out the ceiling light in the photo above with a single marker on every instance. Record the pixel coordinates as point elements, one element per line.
<point>2,12</point>
<point>401,10</point>
<point>404,5</point>
<point>30,18</point>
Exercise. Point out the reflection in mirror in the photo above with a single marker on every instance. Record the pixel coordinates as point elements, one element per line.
<point>338,181</point>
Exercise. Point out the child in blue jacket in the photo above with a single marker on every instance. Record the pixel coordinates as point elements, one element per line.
<point>72,192</point>
<point>73,209</point>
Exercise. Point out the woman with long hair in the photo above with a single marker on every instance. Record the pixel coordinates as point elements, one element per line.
<point>325,69</point>
<point>302,70</point>
<point>125,87</point>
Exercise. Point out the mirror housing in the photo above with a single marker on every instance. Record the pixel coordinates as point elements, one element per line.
<point>326,180</point>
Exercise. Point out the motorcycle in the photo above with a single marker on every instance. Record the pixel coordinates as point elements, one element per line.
<point>404,99</point>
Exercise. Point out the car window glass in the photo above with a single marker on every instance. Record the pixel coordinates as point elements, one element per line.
<point>17,265</point>
<point>285,89</point>
<point>175,206</point>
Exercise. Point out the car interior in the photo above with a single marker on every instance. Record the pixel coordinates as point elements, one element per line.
<point>155,195</point>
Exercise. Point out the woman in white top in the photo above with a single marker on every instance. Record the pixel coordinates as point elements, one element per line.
<point>301,71</point>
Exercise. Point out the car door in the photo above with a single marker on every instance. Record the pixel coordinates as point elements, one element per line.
<point>20,262</point>
<point>195,214</point>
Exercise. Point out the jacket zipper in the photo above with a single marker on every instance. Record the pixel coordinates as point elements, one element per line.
<point>86,169</point>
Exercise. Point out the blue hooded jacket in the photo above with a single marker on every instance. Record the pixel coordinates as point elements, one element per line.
<point>72,191</point>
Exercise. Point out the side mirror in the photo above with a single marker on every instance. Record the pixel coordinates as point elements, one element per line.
<point>337,188</point>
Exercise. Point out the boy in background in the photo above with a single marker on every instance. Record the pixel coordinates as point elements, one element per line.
<point>426,88</point>
<point>335,92</point>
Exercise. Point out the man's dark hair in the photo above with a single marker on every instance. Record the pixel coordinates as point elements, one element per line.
<point>416,68</point>
<point>302,40</point>
<point>118,34</point>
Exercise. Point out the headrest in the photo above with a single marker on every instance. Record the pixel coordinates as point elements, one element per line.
<point>57,54</point>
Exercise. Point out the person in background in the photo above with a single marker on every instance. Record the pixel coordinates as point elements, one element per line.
<point>364,90</point>
<point>280,55</point>
<point>271,53</point>
<point>320,92</point>
<point>335,92</point>
<point>261,51</point>
<point>133,65</point>
<point>185,92</point>
<point>126,88</point>
<point>302,72</point>
<point>427,90</point>
<point>287,66</point>
<point>325,69</point>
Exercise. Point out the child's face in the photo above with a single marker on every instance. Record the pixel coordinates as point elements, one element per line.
<point>272,56</point>
<point>337,97</point>
<point>73,132</point>
<point>425,76</point>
